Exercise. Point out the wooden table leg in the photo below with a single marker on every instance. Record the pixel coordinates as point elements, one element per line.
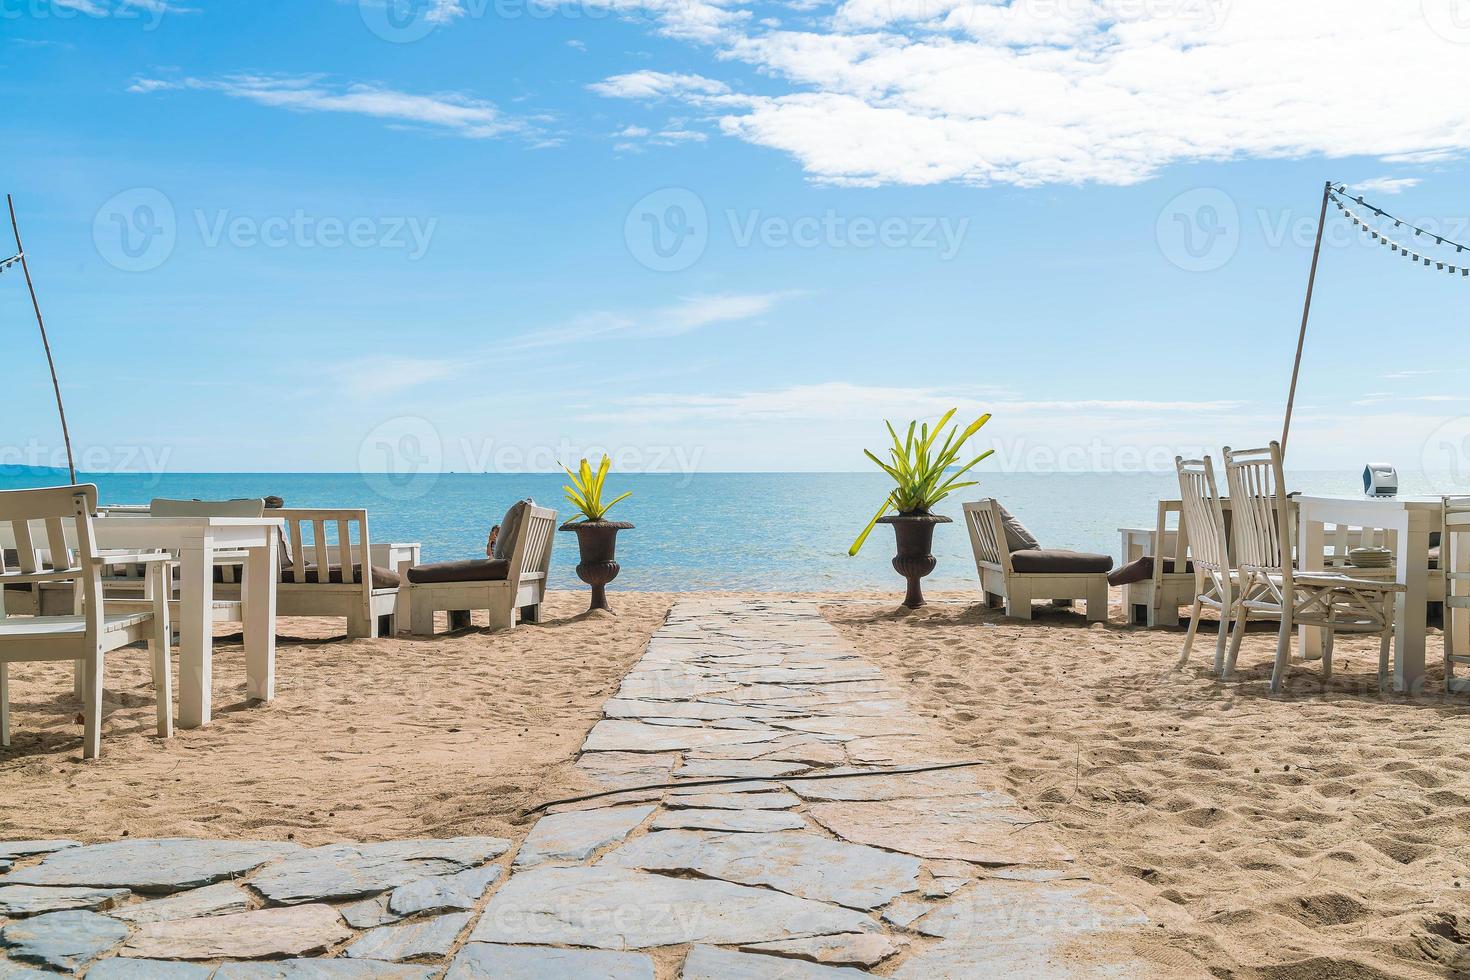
<point>258,593</point>
<point>196,634</point>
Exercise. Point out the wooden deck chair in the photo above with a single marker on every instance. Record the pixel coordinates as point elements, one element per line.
<point>92,633</point>
<point>511,587</point>
<point>1018,577</point>
<point>1263,531</point>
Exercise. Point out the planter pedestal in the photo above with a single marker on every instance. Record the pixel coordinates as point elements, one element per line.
<point>914,536</point>
<point>597,542</point>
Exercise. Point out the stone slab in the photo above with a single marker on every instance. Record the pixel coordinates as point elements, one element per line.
<point>337,969</point>
<point>799,864</point>
<point>884,786</point>
<point>119,968</point>
<point>17,901</point>
<point>301,930</point>
<point>62,940</point>
<point>708,963</point>
<point>1024,912</point>
<point>221,899</point>
<point>341,871</point>
<point>614,908</point>
<point>612,735</point>
<point>851,949</point>
<point>736,801</point>
<point>369,912</point>
<point>746,769</point>
<point>735,821</point>
<point>577,834</point>
<point>11,970</point>
<point>958,828</point>
<point>444,893</point>
<point>10,850</point>
<point>162,865</point>
<point>485,961</point>
<point>410,940</point>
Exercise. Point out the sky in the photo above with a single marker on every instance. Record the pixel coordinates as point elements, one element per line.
<point>330,235</point>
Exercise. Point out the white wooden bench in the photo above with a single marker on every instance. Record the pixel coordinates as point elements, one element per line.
<point>517,591</point>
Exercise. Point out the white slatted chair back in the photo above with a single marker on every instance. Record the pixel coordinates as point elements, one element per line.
<point>39,523</point>
<point>1202,529</point>
<point>532,553</point>
<point>987,533</point>
<point>317,536</point>
<point>1260,511</point>
<point>1454,539</point>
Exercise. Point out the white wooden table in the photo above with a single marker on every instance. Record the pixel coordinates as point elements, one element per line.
<point>1413,519</point>
<point>199,543</point>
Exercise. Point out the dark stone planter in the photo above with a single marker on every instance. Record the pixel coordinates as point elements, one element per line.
<point>914,535</point>
<point>598,543</point>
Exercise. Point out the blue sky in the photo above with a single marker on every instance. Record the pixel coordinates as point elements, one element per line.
<point>723,235</point>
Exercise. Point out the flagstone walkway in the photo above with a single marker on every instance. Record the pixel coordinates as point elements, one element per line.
<point>762,860</point>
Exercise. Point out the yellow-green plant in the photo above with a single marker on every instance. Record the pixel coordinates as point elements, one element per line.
<point>923,474</point>
<point>585,493</point>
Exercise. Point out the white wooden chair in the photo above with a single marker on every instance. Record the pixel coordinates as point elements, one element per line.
<point>1043,574</point>
<point>88,636</point>
<point>330,571</point>
<point>1214,582</point>
<point>1263,531</point>
<point>517,592</point>
<point>1454,564</point>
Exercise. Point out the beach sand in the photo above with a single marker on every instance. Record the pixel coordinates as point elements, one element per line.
<point>1323,834</point>
<point>366,739</point>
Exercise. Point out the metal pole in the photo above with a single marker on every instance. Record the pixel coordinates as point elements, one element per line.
<point>1301,338</point>
<point>55,385</point>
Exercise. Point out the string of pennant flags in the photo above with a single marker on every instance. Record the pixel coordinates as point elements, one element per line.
<point>1459,267</point>
<point>13,260</point>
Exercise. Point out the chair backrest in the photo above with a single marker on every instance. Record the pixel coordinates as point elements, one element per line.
<point>163,507</point>
<point>532,553</point>
<point>987,534</point>
<point>43,517</point>
<point>1261,514</point>
<point>317,536</point>
<point>1202,528</point>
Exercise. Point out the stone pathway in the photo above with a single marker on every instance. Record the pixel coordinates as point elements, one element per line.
<point>780,868</point>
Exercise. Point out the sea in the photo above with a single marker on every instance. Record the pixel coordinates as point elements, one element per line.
<point>787,532</point>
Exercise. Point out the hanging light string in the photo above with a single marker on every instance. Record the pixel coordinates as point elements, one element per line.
<point>7,263</point>
<point>1459,267</point>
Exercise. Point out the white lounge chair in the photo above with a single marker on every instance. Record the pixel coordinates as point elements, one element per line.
<point>511,583</point>
<point>92,633</point>
<point>1019,575</point>
<point>366,595</point>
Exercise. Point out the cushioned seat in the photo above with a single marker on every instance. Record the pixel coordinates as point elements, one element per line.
<point>1049,561</point>
<point>383,578</point>
<point>473,570</point>
<point>1142,569</point>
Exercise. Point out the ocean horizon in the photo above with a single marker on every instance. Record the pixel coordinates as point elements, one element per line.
<point>712,531</point>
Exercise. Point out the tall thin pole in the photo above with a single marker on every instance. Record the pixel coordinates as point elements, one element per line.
<point>1301,338</point>
<point>35,305</point>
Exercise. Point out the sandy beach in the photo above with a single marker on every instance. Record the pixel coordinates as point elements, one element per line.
<point>1321,834</point>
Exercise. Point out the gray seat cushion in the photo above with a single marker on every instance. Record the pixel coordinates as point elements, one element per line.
<point>473,570</point>
<point>1047,561</point>
<point>1142,569</point>
<point>383,578</point>
<point>1018,538</point>
<point>510,528</point>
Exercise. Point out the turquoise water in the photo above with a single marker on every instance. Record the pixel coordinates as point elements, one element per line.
<point>752,531</point>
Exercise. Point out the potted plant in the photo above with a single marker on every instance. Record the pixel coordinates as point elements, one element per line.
<point>597,539</point>
<point>923,475</point>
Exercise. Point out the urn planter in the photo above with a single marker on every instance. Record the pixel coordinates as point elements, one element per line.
<point>597,542</point>
<point>914,536</point>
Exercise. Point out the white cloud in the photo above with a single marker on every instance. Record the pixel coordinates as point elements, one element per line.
<point>451,112</point>
<point>1386,185</point>
<point>578,45</point>
<point>445,12</point>
<point>923,91</point>
<point>686,316</point>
